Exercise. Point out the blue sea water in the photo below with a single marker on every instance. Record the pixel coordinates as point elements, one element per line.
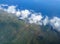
<point>46,7</point>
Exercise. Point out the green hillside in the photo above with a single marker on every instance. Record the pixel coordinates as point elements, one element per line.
<point>15,31</point>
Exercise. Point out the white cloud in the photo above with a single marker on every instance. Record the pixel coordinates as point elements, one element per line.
<point>55,22</point>
<point>18,13</point>
<point>46,20</point>
<point>1,8</point>
<point>24,14</point>
<point>36,18</point>
<point>3,5</point>
<point>11,9</point>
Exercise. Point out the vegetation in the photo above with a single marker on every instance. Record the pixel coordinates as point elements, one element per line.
<point>15,31</point>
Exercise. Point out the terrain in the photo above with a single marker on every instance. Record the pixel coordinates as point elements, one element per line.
<point>15,31</point>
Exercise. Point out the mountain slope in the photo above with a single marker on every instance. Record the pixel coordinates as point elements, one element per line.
<point>15,31</point>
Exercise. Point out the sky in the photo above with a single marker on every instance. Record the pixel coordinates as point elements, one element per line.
<point>41,12</point>
<point>46,7</point>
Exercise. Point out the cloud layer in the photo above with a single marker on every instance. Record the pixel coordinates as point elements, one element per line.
<point>32,16</point>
